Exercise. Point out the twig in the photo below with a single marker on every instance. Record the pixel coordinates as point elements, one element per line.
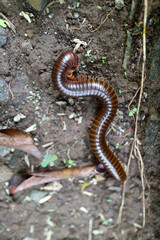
<point>124,186</point>
<point>133,99</point>
<point>12,95</point>
<point>81,25</point>
<point>90,229</point>
<point>9,23</point>
<point>142,180</point>
<point>135,144</point>
<point>103,20</point>
<point>50,4</point>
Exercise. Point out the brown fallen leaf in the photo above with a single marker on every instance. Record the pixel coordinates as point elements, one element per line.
<point>38,178</point>
<point>20,140</point>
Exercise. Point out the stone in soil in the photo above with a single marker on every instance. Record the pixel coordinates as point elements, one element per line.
<point>3,37</point>
<point>4,91</point>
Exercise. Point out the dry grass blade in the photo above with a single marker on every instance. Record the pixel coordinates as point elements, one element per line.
<point>14,138</point>
<point>135,144</point>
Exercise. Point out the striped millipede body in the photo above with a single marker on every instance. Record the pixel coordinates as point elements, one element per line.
<point>83,86</point>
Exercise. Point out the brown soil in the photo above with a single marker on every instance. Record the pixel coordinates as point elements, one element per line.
<point>26,62</point>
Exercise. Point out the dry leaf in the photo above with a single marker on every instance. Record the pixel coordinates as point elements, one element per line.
<point>13,138</point>
<point>38,178</point>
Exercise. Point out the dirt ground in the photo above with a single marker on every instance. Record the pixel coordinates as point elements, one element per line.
<point>26,60</point>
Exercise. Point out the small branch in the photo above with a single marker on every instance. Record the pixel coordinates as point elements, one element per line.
<point>92,31</point>
<point>135,144</point>
<point>10,25</point>
<point>124,186</point>
<point>90,229</point>
<point>12,95</point>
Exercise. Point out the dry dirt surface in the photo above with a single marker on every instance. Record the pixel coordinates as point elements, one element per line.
<point>61,210</point>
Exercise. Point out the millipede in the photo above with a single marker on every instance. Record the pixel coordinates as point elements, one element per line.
<point>84,86</point>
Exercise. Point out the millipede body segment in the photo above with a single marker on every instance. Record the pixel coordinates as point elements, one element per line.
<point>83,86</point>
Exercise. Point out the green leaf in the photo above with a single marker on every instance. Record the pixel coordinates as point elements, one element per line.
<point>49,160</point>
<point>54,158</point>
<point>132,112</point>
<point>47,157</point>
<point>71,163</point>
<point>64,161</point>
<point>44,163</point>
<point>2,23</point>
<point>117,145</point>
<point>51,164</point>
<point>99,7</point>
<point>49,217</point>
<point>47,10</point>
<point>105,222</point>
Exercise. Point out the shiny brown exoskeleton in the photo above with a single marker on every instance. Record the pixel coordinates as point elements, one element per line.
<point>84,86</point>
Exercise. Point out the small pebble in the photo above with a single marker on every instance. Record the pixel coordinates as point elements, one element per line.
<point>68,37</point>
<point>71,101</point>
<point>3,37</point>
<point>23,102</point>
<point>76,15</point>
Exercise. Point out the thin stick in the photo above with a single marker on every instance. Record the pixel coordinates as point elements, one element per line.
<point>139,103</point>
<point>143,65</point>
<point>92,31</point>
<point>12,95</point>
<point>124,186</point>
<point>143,186</point>
<point>9,23</point>
<point>133,98</point>
<point>90,229</point>
<point>135,143</point>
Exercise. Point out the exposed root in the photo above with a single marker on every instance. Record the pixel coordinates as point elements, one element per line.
<point>94,30</point>
<point>135,151</point>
